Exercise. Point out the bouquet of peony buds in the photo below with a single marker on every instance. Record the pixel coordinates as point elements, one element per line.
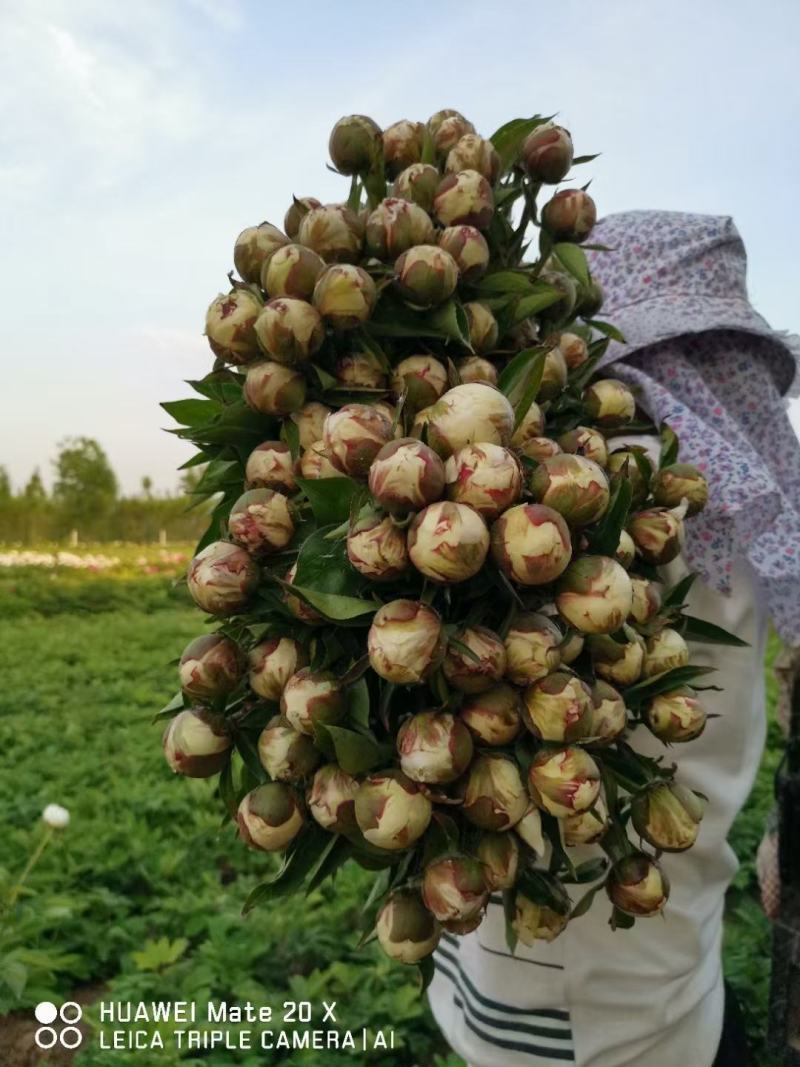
<point>433,577</point>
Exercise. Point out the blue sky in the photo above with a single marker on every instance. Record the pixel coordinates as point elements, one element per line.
<point>138,139</point>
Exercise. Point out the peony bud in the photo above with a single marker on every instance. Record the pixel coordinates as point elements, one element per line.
<point>344,296</point>
<point>536,922</point>
<point>402,145</point>
<point>573,486</point>
<point>434,747</point>
<point>586,827</point>
<point>609,716</point>
<point>667,815</point>
<point>395,226</point>
<point>615,661</point>
<point>609,403</point>
<point>467,414</point>
<point>269,817</point>
<point>197,743</point>
<point>472,152</point>
<point>333,232</point>
<point>677,482</point>
<point>531,544</point>
<point>297,212</point>
<point>570,215</point>
<point>376,547</point>
<point>594,595</point>
<point>637,886</point>
<point>564,780</point>
<point>563,308</point>
<point>310,420</point>
<point>591,299</point>
<point>298,607</point>
<point>448,542</point>
<point>665,651</point>
<point>546,153</point>
<point>574,350</point>
<point>658,534</point>
<point>272,663</point>
<point>315,463</point>
<point>292,272</point>
<point>222,578</point>
<point>554,376</point>
<point>676,716</point>
<point>486,477</point>
<point>360,370</point>
<point>290,331</point>
<point>469,249</point>
<point>260,521</point>
<point>311,698</point>
<point>355,145</point>
<point>586,442</point>
<point>531,425</point>
<point>406,475</point>
<point>426,275</point>
<point>270,466</point>
<point>285,754</point>
<point>274,389</point>
<point>55,816</point>
<point>331,799</point>
<point>623,463</point>
<point>558,707</point>
<point>626,550</point>
<point>446,127</point>
<point>483,329</point>
<point>210,667</point>
<point>529,828</point>
<point>230,326</point>
<point>405,642</point>
<point>407,932</point>
<point>479,671</point>
<point>254,247</point>
<point>476,369</point>
<point>454,888</point>
<point>391,810</point>
<point>494,716</point>
<point>422,378</point>
<point>418,183</point>
<point>464,199</point>
<point>499,856</point>
<point>646,601</point>
<point>493,794</point>
<point>354,435</point>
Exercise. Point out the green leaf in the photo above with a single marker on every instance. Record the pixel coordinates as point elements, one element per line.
<point>533,381</point>
<point>336,608</point>
<point>308,847</point>
<point>14,975</point>
<point>355,753</point>
<point>663,683</point>
<point>358,704</point>
<point>576,162</point>
<point>427,970</point>
<point>322,565</point>
<point>248,750</point>
<point>509,912</point>
<point>450,320</point>
<point>329,498</point>
<point>573,259</point>
<point>606,329</point>
<point>670,446</point>
<point>191,412</point>
<point>532,305</point>
<point>156,955</point>
<point>508,139</point>
<point>170,710</point>
<point>220,474</point>
<point>620,920</point>
<point>514,374</point>
<point>326,380</point>
<point>505,281</point>
<point>604,538</point>
<point>679,592</point>
<point>591,870</point>
<point>699,630</point>
<point>586,901</point>
<point>333,856</point>
<point>227,790</point>
<point>354,199</point>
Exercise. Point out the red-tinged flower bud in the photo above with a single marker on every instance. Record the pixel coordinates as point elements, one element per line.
<point>376,547</point>
<point>285,754</point>
<point>289,331</point>
<point>272,663</point>
<point>667,815</point>
<point>434,747</point>
<point>570,215</point>
<point>345,296</point>
<point>676,716</point>
<point>360,370</point>
<point>269,817</point>
<point>331,799</point>
<point>609,403</point>
<point>475,660</point>
<point>297,606</point>
<point>222,578</point>
<point>664,651</point>
<point>626,550</point>
<point>546,153</point>
<point>539,448</point>
<point>483,329</point>
<point>494,716</point>
<point>617,662</point>
<point>297,212</point>
<point>658,534</point>
<point>197,743</point>
<point>476,369</point>
<point>407,932</point>
<point>469,414</point>
<point>494,797</point>
<point>554,376</point>
<point>406,475</point>
<point>586,827</point>
<point>586,442</point>
<point>609,715</point>
<point>623,463</point>
<point>537,922</point>
<point>260,521</point>
<point>333,232</point>
<point>677,482</point>
<point>418,183</point>
<point>310,421</point>
<point>354,435</point>
<point>254,247</point>
<point>311,698</point>
<point>646,601</point>
<point>564,780</point>
<point>472,152</point>
<point>315,463</point>
<point>270,466</point>
<point>564,307</point>
<point>531,544</point>
<point>558,707</point>
<point>469,249</point>
<point>448,542</point>
<point>574,350</point>
<point>446,127</point>
<point>405,642</point>
<point>464,199</point>
<point>426,275</point>
<point>594,595</point>
<point>499,855</point>
<point>273,388</point>
<point>230,326</point>
<point>573,486</point>
<point>533,646</point>
<point>422,378</point>
<point>210,667</point>
<point>355,145</point>
<point>532,425</point>
<point>402,145</point>
<point>454,888</point>
<point>391,810</point>
<point>395,226</point>
<point>529,828</point>
<point>292,272</point>
<point>486,477</point>
<point>638,886</point>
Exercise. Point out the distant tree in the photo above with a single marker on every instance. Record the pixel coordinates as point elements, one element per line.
<point>147,486</point>
<point>35,492</point>
<point>191,478</point>
<point>5,485</point>
<point>85,487</point>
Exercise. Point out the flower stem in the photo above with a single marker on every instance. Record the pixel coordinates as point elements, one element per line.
<point>35,856</point>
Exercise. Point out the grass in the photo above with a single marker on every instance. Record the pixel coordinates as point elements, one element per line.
<point>142,894</point>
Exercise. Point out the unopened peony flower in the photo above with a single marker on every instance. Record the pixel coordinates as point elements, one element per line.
<point>395,226</point>
<point>487,477</point>
<point>493,794</point>
<point>407,932</point>
<point>573,486</point>
<point>558,707</point>
<point>434,747</point>
<point>531,426</point>
<point>360,370</point>
<point>664,651</point>
<point>344,296</point>
<point>540,448</point>
<point>356,142</point>
<point>646,600</point>
<point>586,827</point>
<point>472,152</point>
<point>230,326</point>
<point>658,534</point>
<point>533,646</point>
<point>626,550</point>
<point>499,855</point>
<point>273,388</point>
<point>418,183</point>
<point>534,922</point>
<point>480,667</point>
<point>469,414</point>
<point>210,667</point>
<point>316,463</point>
<point>609,716</point>
<point>469,249</point>
<point>292,271</point>
<point>289,330</point>
<point>296,213</point>
<point>609,403</point>
<point>270,466</point>
<point>406,475</point>
<point>494,715</point>
<point>296,605</point>
<point>677,482</point>
<point>584,441</point>
<point>464,198</point>
<point>310,421</point>
<point>260,521</point>
<point>594,595</point>
<point>667,815</point>
<point>448,542</point>
<point>402,145</point>
<point>310,698</point>
<point>422,378</point>
<point>531,544</point>
<point>55,816</point>
<point>222,578</point>
<point>354,435</point>
<point>564,780</point>
<point>638,886</point>
<point>391,811</point>
<point>446,127</point>
<point>405,642</point>
<point>570,215</point>
<point>618,662</point>
<point>376,547</point>
<point>197,743</point>
<point>476,369</point>
<point>272,663</point>
<point>546,153</point>
<point>455,888</point>
<point>676,716</point>
<point>331,798</point>
<point>269,817</point>
<point>254,247</point>
<point>554,376</point>
<point>285,754</point>
<point>574,350</point>
<point>426,275</point>
<point>333,232</point>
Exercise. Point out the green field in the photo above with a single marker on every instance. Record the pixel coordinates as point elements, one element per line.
<point>140,897</point>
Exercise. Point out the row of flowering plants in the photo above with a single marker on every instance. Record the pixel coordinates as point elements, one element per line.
<point>432,578</point>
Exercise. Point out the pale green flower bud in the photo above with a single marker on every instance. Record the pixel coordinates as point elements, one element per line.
<point>531,544</point>
<point>469,249</point>
<point>454,888</point>
<point>495,715</point>
<point>254,247</point>
<point>391,811</point>
<point>407,932</point>
<point>260,521</point>
<point>558,707</point>
<point>222,579</point>
<point>210,667</point>
<point>638,886</point>
<point>594,595</point>
<point>434,747</point>
<point>405,642</point>
<point>494,797</point>
<point>665,651</point>
<point>197,743</point>
<point>292,272</point>
<point>402,145</point>
<point>574,486</point>
<point>269,817</point>
<point>230,326</point>
<point>486,477</point>
<point>464,199</point>
<point>273,388</point>
<point>355,144</point>
<point>448,542</point>
<point>311,698</point>
<point>479,671</point>
<point>564,780</point>
<point>667,815</point>
<point>271,664</point>
<point>680,481</point>
<point>285,754</point>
